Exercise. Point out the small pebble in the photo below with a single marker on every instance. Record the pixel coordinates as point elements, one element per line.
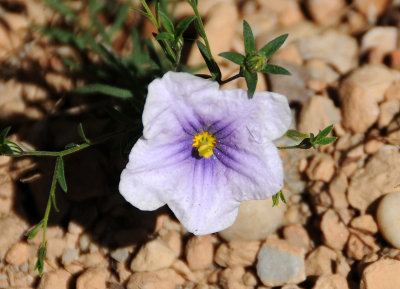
<point>388,216</point>
<point>279,263</point>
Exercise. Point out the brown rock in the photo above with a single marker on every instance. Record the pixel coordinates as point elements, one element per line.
<point>393,91</point>
<point>249,279</point>
<point>365,223</point>
<point>55,248</point>
<point>384,38</point>
<point>326,12</point>
<point>334,231</point>
<point>382,274</point>
<point>394,59</point>
<point>182,268</point>
<point>297,235</point>
<point>12,229</point>
<point>94,259</point>
<point>93,278</point>
<point>337,190</point>
<point>371,8</point>
<point>331,282</point>
<point>289,54</point>
<point>199,252</point>
<point>58,279</point>
<point>388,110</point>
<point>162,279</point>
<point>321,168</point>
<point>372,146</point>
<point>336,48</point>
<point>288,11</point>
<point>360,245</point>
<point>18,254</point>
<point>232,278</point>
<point>317,113</point>
<point>154,255</point>
<point>359,94</point>
<point>319,261</point>
<point>173,239</point>
<point>370,182</point>
<point>255,221</point>
<point>237,253</point>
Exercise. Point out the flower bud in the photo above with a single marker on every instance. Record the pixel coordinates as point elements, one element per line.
<point>255,62</point>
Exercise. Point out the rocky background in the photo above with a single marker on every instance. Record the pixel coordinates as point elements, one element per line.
<point>341,226</point>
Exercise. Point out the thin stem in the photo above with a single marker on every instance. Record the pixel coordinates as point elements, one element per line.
<point>232,78</point>
<point>288,148</point>
<point>200,22</point>
<point>150,15</point>
<point>48,208</point>
<point>70,150</point>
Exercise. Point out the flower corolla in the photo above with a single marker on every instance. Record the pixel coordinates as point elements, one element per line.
<point>205,150</point>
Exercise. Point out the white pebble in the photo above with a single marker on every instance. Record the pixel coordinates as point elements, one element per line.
<point>388,216</point>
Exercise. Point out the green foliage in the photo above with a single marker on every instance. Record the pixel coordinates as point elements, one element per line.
<point>255,61</point>
<point>34,231</point>
<point>60,174</point>
<point>278,196</point>
<point>40,261</point>
<point>310,141</point>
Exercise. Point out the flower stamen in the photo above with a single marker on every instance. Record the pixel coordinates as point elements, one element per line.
<point>204,142</point>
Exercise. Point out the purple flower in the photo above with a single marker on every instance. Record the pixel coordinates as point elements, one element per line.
<point>205,150</point>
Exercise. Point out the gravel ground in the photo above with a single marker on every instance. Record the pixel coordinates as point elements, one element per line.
<point>341,226</point>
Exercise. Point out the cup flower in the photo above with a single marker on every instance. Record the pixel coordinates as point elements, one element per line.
<point>205,150</point>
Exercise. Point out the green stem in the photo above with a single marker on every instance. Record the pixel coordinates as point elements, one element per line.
<point>71,150</point>
<point>288,148</point>
<point>197,14</point>
<point>232,78</point>
<point>48,208</point>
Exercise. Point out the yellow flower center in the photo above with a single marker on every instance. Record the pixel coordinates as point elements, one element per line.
<point>204,143</point>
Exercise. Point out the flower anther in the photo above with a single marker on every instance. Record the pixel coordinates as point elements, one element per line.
<point>204,142</point>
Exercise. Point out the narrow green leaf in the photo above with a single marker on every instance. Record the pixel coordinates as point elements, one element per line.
<point>282,196</point>
<point>295,135</point>
<point>164,36</point>
<point>167,23</point>
<point>234,57</point>
<point>271,47</point>
<point>325,141</point>
<point>275,200</point>
<point>40,261</point>
<point>3,134</point>
<point>323,133</point>
<point>251,81</point>
<point>53,202</point>
<point>211,64</point>
<point>249,43</point>
<point>104,89</point>
<point>144,13</point>
<point>61,174</point>
<point>34,231</point>
<point>200,29</point>
<point>183,25</point>
<point>81,133</point>
<point>275,69</point>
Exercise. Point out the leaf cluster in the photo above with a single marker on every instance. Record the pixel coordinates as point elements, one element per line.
<point>310,141</point>
<point>124,78</point>
<point>256,61</point>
